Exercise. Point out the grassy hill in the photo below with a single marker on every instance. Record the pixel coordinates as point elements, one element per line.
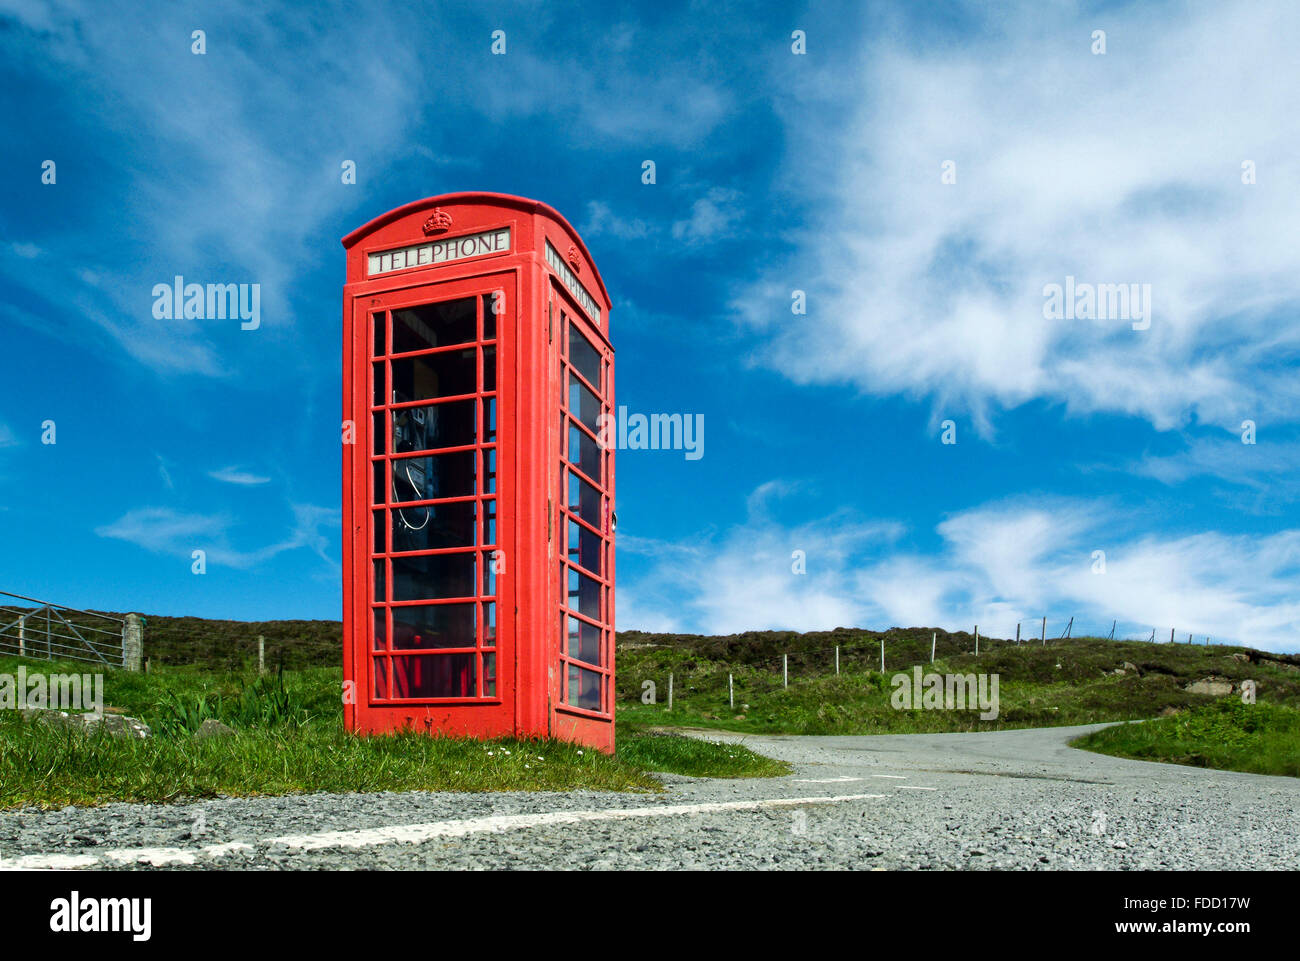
<point>1075,681</point>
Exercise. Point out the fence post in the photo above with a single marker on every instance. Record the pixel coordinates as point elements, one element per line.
<point>1044,632</point>
<point>1017,633</point>
<point>933,640</point>
<point>785,670</point>
<point>882,655</point>
<point>977,640</point>
<point>837,658</point>
<point>670,692</point>
<point>22,635</point>
<point>132,643</point>
<point>731,691</point>
<point>1171,635</point>
<point>261,654</point>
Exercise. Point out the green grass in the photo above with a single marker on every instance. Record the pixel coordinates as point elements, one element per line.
<point>290,739</point>
<point>1228,735</point>
<point>677,754</point>
<point>1062,683</point>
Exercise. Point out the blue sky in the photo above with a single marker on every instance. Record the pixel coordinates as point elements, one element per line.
<point>776,172</point>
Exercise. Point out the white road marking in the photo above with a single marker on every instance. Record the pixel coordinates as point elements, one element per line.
<point>407,833</point>
<point>826,780</point>
<point>915,787</point>
<point>896,777</point>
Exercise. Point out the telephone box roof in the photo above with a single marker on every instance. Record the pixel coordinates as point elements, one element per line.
<point>486,199</point>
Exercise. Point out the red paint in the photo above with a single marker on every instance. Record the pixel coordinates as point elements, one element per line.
<point>458,375</point>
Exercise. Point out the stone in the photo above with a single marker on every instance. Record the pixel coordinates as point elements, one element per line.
<point>213,728</point>
<point>1213,686</point>
<point>117,725</point>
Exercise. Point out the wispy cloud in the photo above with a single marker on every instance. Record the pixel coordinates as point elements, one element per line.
<point>1009,562</point>
<point>1121,168</point>
<point>235,475</point>
<point>164,530</point>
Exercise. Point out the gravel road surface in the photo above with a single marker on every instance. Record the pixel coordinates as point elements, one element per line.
<point>1008,799</point>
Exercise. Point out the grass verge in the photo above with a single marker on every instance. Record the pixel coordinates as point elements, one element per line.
<point>289,739</point>
<point>1227,735</point>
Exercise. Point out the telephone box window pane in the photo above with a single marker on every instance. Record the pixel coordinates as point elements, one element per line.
<point>433,426</point>
<point>434,527</point>
<point>584,641</point>
<point>585,499</point>
<point>490,456</point>
<point>490,563</point>
<point>434,325</point>
<point>377,324</point>
<point>489,675</point>
<point>377,520</point>
<point>433,576</point>
<point>381,628</point>
<point>489,368</point>
<point>489,316</point>
<point>434,375</point>
<point>584,547</point>
<point>381,677</point>
<point>380,596</point>
<point>490,522</point>
<point>584,356</point>
<point>584,594</point>
<point>442,675</point>
<point>434,476</point>
<point>489,420</point>
<point>583,404</point>
<point>377,374</point>
<point>431,626</point>
<point>378,433</point>
<point>490,624</point>
<point>377,482</point>
<point>585,452</point>
<point>584,688</point>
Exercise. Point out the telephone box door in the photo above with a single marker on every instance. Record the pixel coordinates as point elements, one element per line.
<point>438,466</point>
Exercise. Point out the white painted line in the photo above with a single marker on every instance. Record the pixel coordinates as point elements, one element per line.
<point>896,777</point>
<point>826,780</point>
<point>409,833</point>
<point>36,862</point>
<point>915,787</point>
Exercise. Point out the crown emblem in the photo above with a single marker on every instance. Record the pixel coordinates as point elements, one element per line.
<point>574,262</point>
<point>439,221</point>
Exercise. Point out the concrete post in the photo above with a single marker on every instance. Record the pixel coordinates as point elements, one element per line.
<point>934,639</point>
<point>22,635</point>
<point>785,670</point>
<point>261,654</point>
<point>132,643</point>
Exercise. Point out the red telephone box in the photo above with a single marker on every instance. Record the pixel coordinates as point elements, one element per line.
<point>478,548</point>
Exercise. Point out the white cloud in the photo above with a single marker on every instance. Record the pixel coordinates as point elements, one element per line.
<point>234,475</point>
<point>1113,169</point>
<point>163,530</point>
<point>997,565</point>
<point>712,217</point>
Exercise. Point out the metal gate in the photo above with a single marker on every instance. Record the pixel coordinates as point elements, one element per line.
<point>57,633</point>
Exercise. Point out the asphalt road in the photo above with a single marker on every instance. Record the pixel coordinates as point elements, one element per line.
<point>1010,799</point>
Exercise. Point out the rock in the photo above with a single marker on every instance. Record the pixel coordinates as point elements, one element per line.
<point>118,725</point>
<point>1240,657</point>
<point>1213,686</point>
<point>1130,666</point>
<point>739,717</point>
<point>213,728</point>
